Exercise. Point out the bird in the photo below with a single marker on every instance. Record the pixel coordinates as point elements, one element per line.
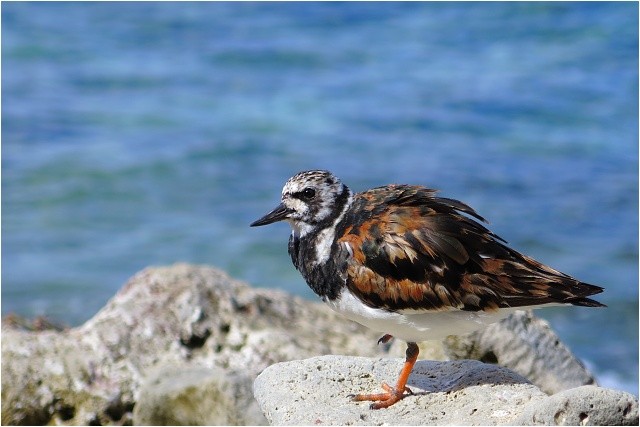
<point>407,263</point>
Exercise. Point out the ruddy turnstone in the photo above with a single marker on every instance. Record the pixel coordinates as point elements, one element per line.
<point>404,262</point>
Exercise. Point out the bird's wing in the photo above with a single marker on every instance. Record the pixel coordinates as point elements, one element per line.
<point>408,249</point>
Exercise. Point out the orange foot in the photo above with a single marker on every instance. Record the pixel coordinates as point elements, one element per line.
<point>393,394</point>
<point>383,400</point>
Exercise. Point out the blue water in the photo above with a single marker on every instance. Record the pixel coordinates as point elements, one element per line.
<point>137,134</point>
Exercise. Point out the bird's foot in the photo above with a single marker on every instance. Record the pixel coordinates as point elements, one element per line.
<point>383,400</point>
<point>385,339</point>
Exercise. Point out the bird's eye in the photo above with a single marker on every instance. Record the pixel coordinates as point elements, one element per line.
<point>308,193</point>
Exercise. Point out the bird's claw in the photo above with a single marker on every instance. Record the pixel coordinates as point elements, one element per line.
<point>383,400</point>
<point>385,339</point>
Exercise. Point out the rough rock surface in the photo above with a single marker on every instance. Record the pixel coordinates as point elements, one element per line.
<point>176,321</point>
<point>181,316</point>
<point>192,395</point>
<point>527,345</point>
<point>586,405</point>
<point>315,391</point>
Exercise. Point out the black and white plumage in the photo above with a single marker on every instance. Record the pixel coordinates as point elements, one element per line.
<point>409,264</point>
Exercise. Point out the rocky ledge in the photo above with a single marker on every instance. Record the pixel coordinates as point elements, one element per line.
<point>465,392</point>
<point>183,345</point>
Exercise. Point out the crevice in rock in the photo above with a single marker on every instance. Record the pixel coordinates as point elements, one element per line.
<point>196,340</point>
<point>117,409</point>
<point>64,411</point>
<point>489,357</point>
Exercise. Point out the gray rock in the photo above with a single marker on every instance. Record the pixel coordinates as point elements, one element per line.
<point>586,405</point>
<point>315,391</point>
<point>28,396</point>
<point>527,345</point>
<point>181,316</point>
<point>185,317</point>
<point>197,396</point>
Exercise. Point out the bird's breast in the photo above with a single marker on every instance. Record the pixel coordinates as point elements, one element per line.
<point>325,277</point>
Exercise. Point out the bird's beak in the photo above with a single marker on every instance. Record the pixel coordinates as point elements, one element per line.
<point>278,214</point>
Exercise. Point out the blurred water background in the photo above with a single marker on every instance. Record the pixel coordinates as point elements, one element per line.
<point>137,134</point>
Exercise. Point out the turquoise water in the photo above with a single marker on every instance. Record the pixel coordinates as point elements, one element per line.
<point>137,134</point>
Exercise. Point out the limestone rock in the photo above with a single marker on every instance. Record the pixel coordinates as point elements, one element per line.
<point>527,345</point>
<point>586,405</point>
<point>192,395</point>
<point>184,319</point>
<point>315,392</point>
<point>181,315</point>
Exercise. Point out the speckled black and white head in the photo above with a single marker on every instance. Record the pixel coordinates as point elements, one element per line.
<point>311,202</point>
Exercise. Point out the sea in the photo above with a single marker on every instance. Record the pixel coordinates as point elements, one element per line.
<point>139,134</point>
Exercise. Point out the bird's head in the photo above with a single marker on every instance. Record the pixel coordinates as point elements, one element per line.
<point>310,200</point>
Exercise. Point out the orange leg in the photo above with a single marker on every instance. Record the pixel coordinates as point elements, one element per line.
<point>393,394</point>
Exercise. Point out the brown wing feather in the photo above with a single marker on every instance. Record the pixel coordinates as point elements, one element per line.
<point>412,250</point>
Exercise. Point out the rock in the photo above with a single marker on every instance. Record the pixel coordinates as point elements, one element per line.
<point>180,316</point>
<point>28,396</point>
<point>197,396</point>
<point>315,392</point>
<point>527,345</point>
<point>586,405</point>
<point>177,320</point>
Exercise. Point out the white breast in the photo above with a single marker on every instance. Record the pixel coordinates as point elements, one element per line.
<point>413,325</point>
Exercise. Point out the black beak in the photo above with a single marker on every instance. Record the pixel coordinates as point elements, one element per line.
<point>278,214</point>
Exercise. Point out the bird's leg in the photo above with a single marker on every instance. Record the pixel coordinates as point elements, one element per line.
<point>393,394</point>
